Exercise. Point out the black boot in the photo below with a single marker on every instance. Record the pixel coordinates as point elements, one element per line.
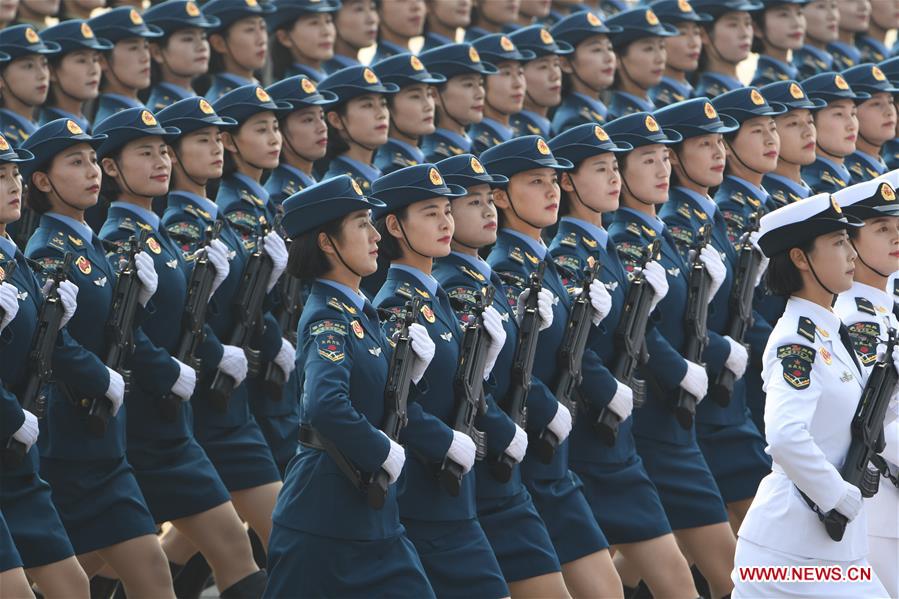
<point>102,587</point>
<point>258,550</point>
<point>641,591</point>
<point>193,578</point>
<point>248,587</point>
<point>175,569</point>
<point>702,585</point>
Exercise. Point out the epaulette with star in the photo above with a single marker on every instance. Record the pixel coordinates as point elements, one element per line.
<point>405,290</point>
<point>570,239</point>
<point>474,274</point>
<point>684,211</point>
<point>516,255</point>
<point>806,328</point>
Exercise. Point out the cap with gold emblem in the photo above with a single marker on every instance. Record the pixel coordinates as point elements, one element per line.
<point>412,184</point>
<point>404,70</point>
<point>52,138</point>
<point>9,154</point>
<point>192,114</point>
<point>288,11</point>
<point>450,60</point>
<point>466,170</point>
<point>126,126</point>
<point>869,78</point>
<point>75,34</point>
<point>22,40</point>
<point>354,81</point>
<point>791,94</point>
<point>300,92</point>
<point>499,47</point>
<point>521,154</point>
<point>581,142</point>
<point>175,15</point>
<point>695,117</point>
<point>247,100</point>
<point>746,103</point>
<point>229,12</point>
<point>122,23</point>
<point>575,28</point>
<point>871,199</point>
<point>796,224</point>
<point>540,41</point>
<point>641,129</point>
<point>638,23</point>
<point>718,8</point>
<point>831,87</point>
<point>323,202</point>
<point>678,11</point>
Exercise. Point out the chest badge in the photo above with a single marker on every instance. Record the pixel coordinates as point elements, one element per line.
<point>357,329</point>
<point>100,282</point>
<point>153,245</point>
<point>611,286</point>
<point>22,296</point>
<point>826,355</point>
<point>446,336</point>
<point>428,314</point>
<point>173,263</point>
<point>84,265</point>
<point>375,351</point>
<point>846,376</point>
<point>555,300</point>
<point>674,271</point>
<point>504,317</point>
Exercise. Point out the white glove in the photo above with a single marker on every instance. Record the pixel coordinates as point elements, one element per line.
<point>717,271</point>
<point>600,300</point>
<point>544,307</point>
<point>187,380</point>
<point>493,325</point>
<point>233,363</point>
<point>518,445</point>
<point>28,432</point>
<point>9,303</point>
<point>68,296</point>
<point>658,279</point>
<point>396,458</point>
<point>560,425</point>
<point>286,358</point>
<point>851,503</point>
<point>462,451</point>
<point>217,254</point>
<point>763,265</point>
<point>696,381</point>
<point>116,390</point>
<point>146,274</point>
<point>423,348</point>
<point>623,401</point>
<point>737,359</point>
<point>275,248</point>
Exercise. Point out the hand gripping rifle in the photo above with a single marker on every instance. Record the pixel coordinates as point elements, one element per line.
<point>741,296</point>
<point>522,364</point>
<point>695,324</point>
<point>468,385</point>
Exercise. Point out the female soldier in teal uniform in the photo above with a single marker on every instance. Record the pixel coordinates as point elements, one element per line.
<point>527,204</point>
<point>411,110</point>
<point>327,540</point>
<point>176,477</point>
<point>26,80</point>
<point>779,31</point>
<point>442,19</point>
<point>890,153</point>
<point>821,19</point>
<point>415,227</point>
<point>855,16</point>
<point>623,499</point>
<point>460,101</point>
<point>181,54</point>
<point>669,452</point>
<point>25,498</point>
<point>726,42</point>
<point>303,37</point>
<point>358,124</point>
<point>356,24</point>
<point>239,43</point>
<point>682,51</point>
<point>876,121</point>
<point>304,132</point>
<point>640,46</point>
<point>506,511</point>
<point>94,489</point>
<point>127,66</point>
<point>871,44</point>
<point>543,80</point>
<point>587,70</point>
<point>398,23</point>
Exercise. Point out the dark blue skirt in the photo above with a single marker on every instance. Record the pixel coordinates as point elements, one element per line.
<point>568,517</point>
<point>33,522</point>
<point>99,502</point>
<point>625,503</point>
<point>736,457</point>
<point>301,564</point>
<point>9,557</point>
<point>685,485</point>
<point>281,434</point>
<point>457,559</point>
<point>176,477</point>
<point>518,536</point>
<point>240,455</point>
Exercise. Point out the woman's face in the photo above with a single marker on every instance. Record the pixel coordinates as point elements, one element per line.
<point>357,243</point>
<point>450,14</point>
<point>43,8</point>
<point>644,61</point>
<point>543,78</point>
<point>73,174</point>
<point>731,37</point>
<point>822,19</point>
<point>797,133</point>
<point>646,173</point>
<point>366,120</point>
<point>412,109</point>
<point>877,243</point>
<point>784,27</point>
<point>885,14</point>
<point>837,126</point>
<point>405,18</point>
<point>28,79</point>
<point>756,145</point>
<point>78,74</point>
<point>247,43</point>
<point>463,97</point>
<point>428,226</point>
<point>311,39</point>
<point>505,90</point>
<point>855,15</point>
<point>129,62</point>
<point>593,62</point>
<point>683,50</point>
<point>877,119</point>
<point>185,54</point>
<point>143,167</point>
<point>535,8</point>
<point>257,141</point>
<point>596,182</point>
<point>357,23</point>
<point>833,260</point>
<point>475,217</point>
<point>8,10</point>
<point>533,196</point>
<point>201,154</point>
<point>701,159</point>
<point>306,133</point>
<point>11,193</point>
<point>499,12</point>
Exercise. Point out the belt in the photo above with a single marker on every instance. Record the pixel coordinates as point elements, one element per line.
<point>309,437</point>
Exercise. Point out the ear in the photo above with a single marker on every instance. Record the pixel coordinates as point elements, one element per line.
<point>393,226</point>
<point>217,43</point>
<point>105,61</point>
<point>501,198</point>
<point>799,259</point>
<point>325,245</point>
<point>173,156</point>
<point>565,183</point>
<point>228,142</point>
<point>673,158</point>
<point>110,168</point>
<point>565,64</point>
<point>41,181</point>
<point>334,120</point>
<point>156,53</point>
<point>283,38</point>
<point>705,36</point>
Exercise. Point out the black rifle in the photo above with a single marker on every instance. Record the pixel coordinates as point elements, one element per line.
<point>468,385</point>
<point>741,296</point>
<point>630,343</point>
<point>25,227</point>
<point>119,335</point>
<point>248,304</point>
<point>695,324</point>
<point>287,313</point>
<point>867,436</point>
<point>40,357</point>
<point>193,320</point>
<point>522,364</point>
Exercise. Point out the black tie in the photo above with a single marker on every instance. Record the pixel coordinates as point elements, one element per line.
<point>847,343</point>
